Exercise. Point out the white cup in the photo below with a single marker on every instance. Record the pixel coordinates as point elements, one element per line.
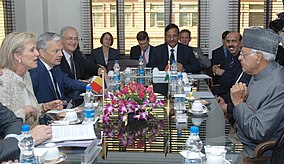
<point>215,157</point>
<point>70,116</point>
<point>197,106</point>
<point>52,152</point>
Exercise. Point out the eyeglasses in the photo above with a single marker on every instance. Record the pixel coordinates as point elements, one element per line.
<point>69,39</point>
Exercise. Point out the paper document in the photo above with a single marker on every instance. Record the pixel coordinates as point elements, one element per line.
<point>72,132</point>
<point>203,95</point>
<point>199,76</point>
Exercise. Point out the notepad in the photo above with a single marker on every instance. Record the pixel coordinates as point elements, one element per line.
<point>72,133</point>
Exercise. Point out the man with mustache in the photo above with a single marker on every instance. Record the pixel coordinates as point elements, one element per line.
<point>232,67</point>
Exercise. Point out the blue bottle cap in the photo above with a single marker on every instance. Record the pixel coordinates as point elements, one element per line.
<point>25,128</point>
<point>115,61</point>
<point>173,61</point>
<point>88,88</point>
<point>194,129</point>
<point>180,76</point>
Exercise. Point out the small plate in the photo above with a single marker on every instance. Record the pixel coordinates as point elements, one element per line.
<point>204,111</point>
<point>191,98</point>
<point>61,158</point>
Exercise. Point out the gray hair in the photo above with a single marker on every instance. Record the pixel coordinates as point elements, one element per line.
<point>44,38</point>
<point>267,56</point>
<point>62,31</point>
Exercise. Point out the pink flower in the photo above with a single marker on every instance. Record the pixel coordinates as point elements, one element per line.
<point>153,98</point>
<point>141,95</point>
<point>149,89</point>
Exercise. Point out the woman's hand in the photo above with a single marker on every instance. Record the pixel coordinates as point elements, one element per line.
<point>30,110</point>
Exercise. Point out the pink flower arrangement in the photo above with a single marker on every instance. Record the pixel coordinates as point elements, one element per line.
<point>130,116</point>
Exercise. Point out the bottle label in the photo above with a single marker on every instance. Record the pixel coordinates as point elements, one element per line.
<point>89,113</point>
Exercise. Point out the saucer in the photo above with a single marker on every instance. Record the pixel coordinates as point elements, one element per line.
<point>61,158</point>
<point>204,111</point>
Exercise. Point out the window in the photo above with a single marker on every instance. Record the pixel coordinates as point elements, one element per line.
<point>104,20</point>
<point>125,18</point>
<point>2,30</point>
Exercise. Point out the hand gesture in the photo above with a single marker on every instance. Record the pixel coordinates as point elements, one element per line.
<point>55,104</point>
<point>239,93</point>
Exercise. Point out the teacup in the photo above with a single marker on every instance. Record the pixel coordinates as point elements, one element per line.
<point>197,106</point>
<point>52,152</point>
<point>70,116</point>
<point>215,157</point>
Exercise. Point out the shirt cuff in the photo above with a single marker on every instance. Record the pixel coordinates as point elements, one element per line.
<point>13,136</point>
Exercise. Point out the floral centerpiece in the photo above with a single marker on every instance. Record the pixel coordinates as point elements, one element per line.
<point>130,116</point>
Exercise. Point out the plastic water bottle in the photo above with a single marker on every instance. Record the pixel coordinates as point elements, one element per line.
<point>141,72</point>
<point>89,110</point>
<point>193,147</point>
<point>116,74</point>
<point>26,145</point>
<point>180,90</point>
<point>174,74</point>
<point>127,75</point>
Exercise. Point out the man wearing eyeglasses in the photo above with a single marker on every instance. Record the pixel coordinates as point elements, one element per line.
<point>74,64</point>
<point>259,107</point>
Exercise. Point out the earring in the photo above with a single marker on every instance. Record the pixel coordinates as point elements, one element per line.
<point>19,61</point>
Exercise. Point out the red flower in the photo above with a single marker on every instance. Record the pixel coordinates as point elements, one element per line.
<point>141,95</point>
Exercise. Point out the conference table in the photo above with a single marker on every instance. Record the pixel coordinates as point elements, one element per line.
<point>214,130</point>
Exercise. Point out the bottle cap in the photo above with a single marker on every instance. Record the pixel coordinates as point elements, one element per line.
<point>88,87</point>
<point>173,61</point>
<point>115,61</point>
<point>180,76</point>
<point>25,128</point>
<point>194,129</point>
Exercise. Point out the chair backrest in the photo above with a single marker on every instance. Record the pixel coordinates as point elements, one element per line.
<point>278,151</point>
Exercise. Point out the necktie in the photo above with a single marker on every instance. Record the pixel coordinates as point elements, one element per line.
<point>73,67</point>
<point>55,84</point>
<point>144,57</point>
<point>231,62</point>
<point>172,55</point>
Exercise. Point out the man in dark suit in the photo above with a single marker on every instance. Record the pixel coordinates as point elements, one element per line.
<point>232,64</point>
<point>143,48</point>
<point>48,80</point>
<point>174,50</point>
<point>74,64</point>
<point>219,57</point>
<point>10,128</point>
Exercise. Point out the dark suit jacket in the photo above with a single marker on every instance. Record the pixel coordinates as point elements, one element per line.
<point>228,77</point>
<point>97,56</point>
<point>9,124</point>
<point>84,70</point>
<point>185,56</point>
<point>218,57</point>
<point>135,53</point>
<point>43,86</point>
<point>82,66</point>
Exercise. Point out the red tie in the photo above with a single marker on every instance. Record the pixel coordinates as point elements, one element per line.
<point>144,57</point>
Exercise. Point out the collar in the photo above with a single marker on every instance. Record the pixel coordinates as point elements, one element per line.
<point>175,48</point>
<point>266,71</point>
<point>46,65</point>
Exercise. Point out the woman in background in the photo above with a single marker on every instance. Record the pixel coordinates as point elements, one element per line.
<point>105,53</point>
